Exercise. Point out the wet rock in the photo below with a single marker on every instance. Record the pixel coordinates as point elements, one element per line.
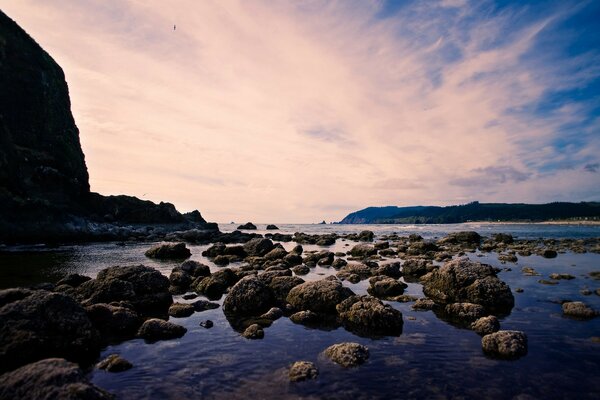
<point>586,292</point>
<point>305,318</point>
<point>273,314</point>
<point>464,237</point>
<point>505,344</point>
<point>272,227</point>
<point>169,251</point>
<point>292,259</point>
<point>392,270</point>
<point>155,329</point>
<point>217,249</point>
<point>40,324</point>
<point>347,354</point>
<point>183,275</point>
<point>221,261</point>
<point>339,263</point>
<point>577,309</point>
<point>114,322</point>
<point>403,298</point>
<point>416,267</point>
<point>277,253</point>
<point>353,278</point>
<point>268,276</point>
<point>465,311</point>
<point>547,282</point>
<point>548,253</point>
<point>381,245</point>
<point>368,316</point>
<point>318,296</point>
<point>114,363</point>
<point>247,226</point>
<point>207,324</point>
<point>258,247</point>
<point>362,270</point>
<point>561,276</point>
<point>203,305</point>
<point>363,250</point>
<point>503,238</point>
<point>465,281</point>
<point>529,271</point>
<point>254,331</point>
<point>250,296</point>
<point>302,371</point>
<point>385,287</point>
<point>298,249</point>
<point>486,325</point>
<point>52,378</point>
<point>508,258</point>
<point>216,284</point>
<point>281,286</point>
<point>181,310</point>
<point>73,280</point>
<point>193,268</point>
<point>301,270</point>
<point>519,290</point>
<point>423,304</point>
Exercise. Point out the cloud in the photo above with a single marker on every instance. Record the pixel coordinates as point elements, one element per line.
<point>595,167</point>
<point>269,111</point>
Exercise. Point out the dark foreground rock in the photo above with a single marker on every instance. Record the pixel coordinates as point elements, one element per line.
<point>319,296</point>
<point>41,324</point>
<point>52,378</point>
<point>169,251</point>
<point>465,281</point>
<point>368,316</point>
<point>114,363</point>
<point>347,354</point>
<point>181,310</point>
<point>114,323</point>
<point>156,329</point>
<point>302,371</point>
<point>250,296</point>
<point>505,344</point>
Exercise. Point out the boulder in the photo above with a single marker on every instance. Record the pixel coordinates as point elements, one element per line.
<point>292,259</point>
<point>464,237</point>
<point>318,296</point>
<point>305,318</point>
<point>465,311</point>
<point>114,363</point>
<point>216,284</point>
<point>273,314</point>
<point>465,281</point>
<point>272,227</point>
<point>549,253</point>
<point>486,325</point>
<point>391,269</point>
<point>339,263</point>
<point>155,329</point>
<point>347,354</point>
<point>368,316</point>
<point>362,270</point>
<point>385,287</point>
<point>114,322</point>
<point>577,309</point>
<point>254,331</point>
<point>281,286</point>
<point>503,238</point>
<point>301,270</point>
<point>424,304</point>
<point>363,250</point>
<point>52,378</point>
<point>416,267</point>
<point>247,226</point>
<point>217,249</point>
<point>258,247</point>
<point>505,344</point>
<point>203,305</point>
<point>181,310</point>
<point>250,296</point>
<point>302,371</point>
<point>73,280</point>
<point>40,324</point>
<point>169,251</point>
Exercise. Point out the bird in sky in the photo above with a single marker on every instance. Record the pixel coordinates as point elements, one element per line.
<point>174,27</point>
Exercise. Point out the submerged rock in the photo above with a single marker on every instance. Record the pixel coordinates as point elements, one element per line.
<point>254,331</point>
<point>302,371</point>
<point>52,378</point>
<point>165,251</point>
<point>486,325</point>
<point>577,309</point>
<point>368,316</point>
<point>40,324</point>
<point>250,296</point>
<point>347,354</point>
<point>114,363</point>
<point>155,329</point>
<point>465,281</point>
<point>318,296</point>
<point>561,276</point>
<point>505,344</point>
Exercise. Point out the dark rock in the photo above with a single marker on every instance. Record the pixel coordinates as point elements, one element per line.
<point>169,251</point>
<point>281,286</point>
<point>114,363</point>
<point>207,324</point>
<point>392,270</point>
<point>276,254</point>
<point>416,267</point>
<point>302,371</point>
<point>385,287</point>
<point>217,249</point>
<point>272,227</point>
<point>114,322</point>
<point>156,329</point>
<point>189,296</point>
<point>505,344</point>
<point>464,237</point>
<point>363,250</point>
<point>318,296</point>
<point>347,354</point>
<point>221,260</point>
<point>203,305</point>
<point>579,310</point>
<point>268,276</point>
<point>503,238</point>
<point>465,311</point>
<point>361,270</point>
<point>548,253</point>
<point>547,282</point>
<point>73,280</point>
<point>250,296</point>
<point>52,378</point>
<point>529,271</point>
<point>486,325</point>
<point>305,318</point>
<point>561,276</point>
<point>339,263</point>
<point>381,245</point>
<point>297,250</point>
<point>508,258</point>
<point>273,314</point>
<point>465,281</point>
<point>254,331</point>
<point>424,304</point>
<point>258,247</point>
<point>301,270</point>
<point>181,310</point>
<point>247,226</point>
<point>292,259</point>
<point>43,324</point>
<point>368,316</point>
<point>216,284</point>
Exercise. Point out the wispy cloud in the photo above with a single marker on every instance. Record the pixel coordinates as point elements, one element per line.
<point>270,110</point>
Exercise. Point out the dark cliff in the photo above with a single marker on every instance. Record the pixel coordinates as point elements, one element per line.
<point>44,184</point>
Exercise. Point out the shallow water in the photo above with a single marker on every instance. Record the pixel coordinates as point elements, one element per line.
<point>431,359</point>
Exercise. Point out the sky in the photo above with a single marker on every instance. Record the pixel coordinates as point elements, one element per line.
<point>302,111</point>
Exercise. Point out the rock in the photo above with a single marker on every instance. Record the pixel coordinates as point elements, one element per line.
<point>464,237</point>
<point>221,261</point>
<point>486,325</point>
<point>318,296</point>
<point>305,318</point>
<point>339,263</point>
<point>247,226</point>
<point>416,267</point>
<point>508,258</point>
<point>347,354</point>
<point>40,324</point>
<point>181,310</point>
<point>207,324</point>
<point>114,363</point>
<point>547,282</point>
<point>422,248</point>
<point>292,259</point>
<point>465,281</point>
<point>52,378</point>
<point>368,316</point>
<point>381,245</point>
<point>577,309</point>
<point>503,238</point>
<point>276,254</point>
<point>548,253</point>
<point>114,322</point>
<point>529,271</point>
<point>361,270</point>
<point>302,371</point>
<point>392,270</point>
<point>465,311</point>
<point>217,249</point>
<point>216,284</point>
<point>561,276</point>
<point>298,249</point>
<point>273,314</point>
<point>272,227</point>
<point>403,298</point>
<point>254,331</point>
<point>353,278</point>
<point>144,287</point>
<point>73,280</point>
<point>423,304</point>
<point>301,270</point>
<point>203,305</point>
<point>258,247</point>
<point>385,287</point>
<point>281,286</point>
<point>268,276</point>
<point>250,296</point>
<point>169,251</point>
<point>155,329</point>
<point>363,250</point>
<point>505,344</point>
